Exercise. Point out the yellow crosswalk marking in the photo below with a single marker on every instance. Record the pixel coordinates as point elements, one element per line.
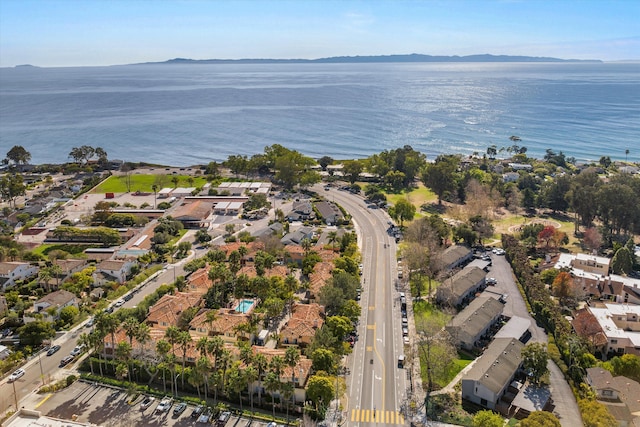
<point>371,326</point>
<point>377,416</point>
<point>372,307</point>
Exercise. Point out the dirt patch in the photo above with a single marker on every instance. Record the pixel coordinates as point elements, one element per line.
<point>545,222</point>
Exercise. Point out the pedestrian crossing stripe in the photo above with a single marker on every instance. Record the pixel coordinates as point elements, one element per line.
<point>377,416</point>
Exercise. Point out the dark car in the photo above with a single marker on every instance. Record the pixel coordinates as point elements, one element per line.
<point>52,350</point>
<point>179,409</point>
<point>65,361</point>
<point>197,411</point>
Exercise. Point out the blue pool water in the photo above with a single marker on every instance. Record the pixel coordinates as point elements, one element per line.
<point>244,306</point>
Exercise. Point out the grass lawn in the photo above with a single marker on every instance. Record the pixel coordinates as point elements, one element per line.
<point>143,183</point>
<point>417,196</point>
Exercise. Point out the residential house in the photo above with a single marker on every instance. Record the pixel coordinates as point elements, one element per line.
<point>620,324</point>
<point>601,381</point>
<point>70,266</point>
<point>293,253</point>
<point>492,373</point>
<point>454,256</point>
<point>329,212</point>
<point>198,282</point>
<point>301,327</point>
<point>193,214</point>
<point>458,290</point>
<point>4,352</point>
<point>296,237</point>
<point>299,374</point>
<point>167,310</point>
<point>112,270</point>
<point>619,394</point>
<point>251,249</point>
<point>520,166</point>
<point>302,210</point>
<point>14,271</point>
<point>586,325</point>
<point>322,272</point>
<point>49,306</point>
<point>224,323</point>
<point>473,323</point>
<point>510,176</point>
<point>587,263</point>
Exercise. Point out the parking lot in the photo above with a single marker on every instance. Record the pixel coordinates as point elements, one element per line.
<point>105,406</point>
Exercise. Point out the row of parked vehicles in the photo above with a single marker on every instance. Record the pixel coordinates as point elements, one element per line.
<point>202,414</point>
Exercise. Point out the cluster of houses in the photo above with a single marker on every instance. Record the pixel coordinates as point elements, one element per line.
<point>495,379</point>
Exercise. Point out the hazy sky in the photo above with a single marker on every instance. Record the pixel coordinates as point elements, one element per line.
<point>101,32</point>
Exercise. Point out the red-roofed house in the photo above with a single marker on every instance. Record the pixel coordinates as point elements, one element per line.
<point>225,324</point>
<point>166,311</point>
<point>301,327</point>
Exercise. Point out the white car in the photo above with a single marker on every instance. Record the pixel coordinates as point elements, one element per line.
<point>120,303</point>
<point>164,404</point>
<point>77,350</point>
<point>16,374</point>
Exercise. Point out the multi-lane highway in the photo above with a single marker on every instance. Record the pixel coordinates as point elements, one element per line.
<point>376,385</point>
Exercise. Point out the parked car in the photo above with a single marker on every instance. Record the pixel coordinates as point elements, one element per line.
<point>127,297</point>
<point>406,340</point>
<point>205,417</point>
<point>89,323</point>
<point>16,374</point>
<point>197,411</point>
<point>77,350</point>
<point>405,321</point>
<point>405,331</point>
<point>164,404</point>
<point>148,401</point>
<point>491,281</point>
<point>223,418</point>
<point>119,303</point>
<point>52,350</point>
<point>179,409</point>
<point>65,361</point>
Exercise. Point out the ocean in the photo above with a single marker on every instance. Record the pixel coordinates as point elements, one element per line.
<point>189,114</point>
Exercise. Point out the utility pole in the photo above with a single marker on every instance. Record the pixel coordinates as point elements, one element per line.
<point>15,394</point>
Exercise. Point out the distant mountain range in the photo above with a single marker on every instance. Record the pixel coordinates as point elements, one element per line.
<point>414,57</point>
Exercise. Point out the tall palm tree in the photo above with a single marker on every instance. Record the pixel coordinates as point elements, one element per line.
<point>250,376</point>
<point>236,381</point>
<point>87,341</point>
<point>123,354</point>
<point>272,384</point>
<point>196,378</point>
<point>261,364</point>
<point>130,326</point>
<point>202,346</point>
<point>44,275</point>
<point>203,366</point>
<point>332,236</point>
<point>154,187</point>
<point>184,340</point>
<point>216,344</point>
<point>142,335</point>
<point>108,324</point>
<point>223,363</point>
<point>97,343</point>
<point>171,335</point>
<point>291,359</point>
<point>211,317</point>
<point>163,348</point>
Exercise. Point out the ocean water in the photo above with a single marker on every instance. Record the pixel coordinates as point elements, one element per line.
<point>189,114</point>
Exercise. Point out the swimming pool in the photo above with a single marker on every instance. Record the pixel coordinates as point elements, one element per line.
<point>245,306</point>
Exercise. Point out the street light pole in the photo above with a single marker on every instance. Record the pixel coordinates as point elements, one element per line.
<point>175,385</point>
<point>41,371</point>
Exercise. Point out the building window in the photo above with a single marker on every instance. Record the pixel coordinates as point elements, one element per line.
<point>614,341</point>
<point>607,393</point>
<point>483,402</point>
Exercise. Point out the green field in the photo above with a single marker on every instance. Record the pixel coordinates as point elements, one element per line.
<point>417,196</point>
<point>144,183</point>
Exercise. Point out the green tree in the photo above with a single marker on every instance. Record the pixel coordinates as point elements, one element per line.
<point>324,360</point>
<point>622,263</point>
<point>325,161</point>
<point>534,361</point>
<point>68,314</point>
<point>352,170</point>
<point>320,391</point>
<point>440,176</point>
<point>595,414</point>
<point>402,211</point>
<point>627,365</point>
<point>541,419</point>
<point>487,418</point>
<point>33,333</point>
<point>11,187</point>
<point>18,155</point>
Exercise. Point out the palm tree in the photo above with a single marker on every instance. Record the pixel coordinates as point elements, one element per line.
<point>184,340</point>
<point>154,187</point>
<point>142,335</point>
<point>216,344</point>
<point>87,341</point>
<point>202,346</point>
<point>162,348</point>
<point>171,334</point>
<point>130,326</point>
<point>97,343</point>
<point>123,353</point>
<point>261,364</point>
<point>196,378</point>
<point>211,317</point>
<point>44,275</point>
<point>272,384</point>
<point>306,245</point>
<point>175,181</point>
<point>250,376</point>
<point>223,362</point>
<point>108,324</point>
<point>291,359</point>
<point>236,381</point>
<point>332,236</point>
<point>203,366</point>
